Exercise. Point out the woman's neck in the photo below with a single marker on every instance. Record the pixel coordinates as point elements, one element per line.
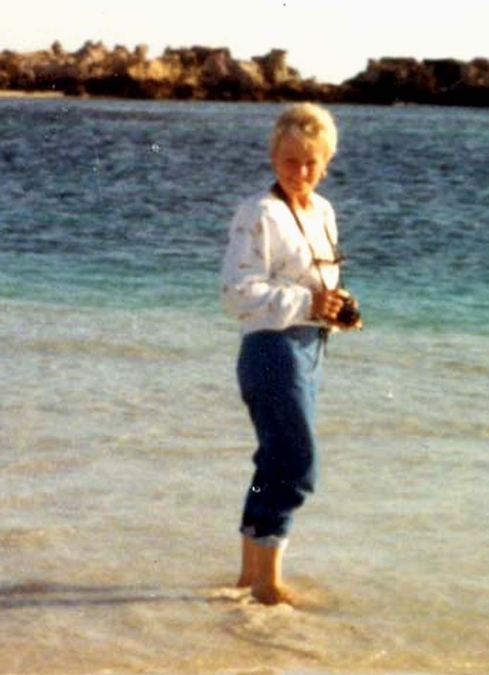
<point>301,203</point>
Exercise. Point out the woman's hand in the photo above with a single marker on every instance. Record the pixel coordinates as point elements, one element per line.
<point>327,305</point>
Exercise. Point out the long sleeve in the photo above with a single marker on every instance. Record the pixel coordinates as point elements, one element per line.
<point>258,290</point>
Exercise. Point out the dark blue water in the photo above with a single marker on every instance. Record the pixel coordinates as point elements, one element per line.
<point>124,203</point>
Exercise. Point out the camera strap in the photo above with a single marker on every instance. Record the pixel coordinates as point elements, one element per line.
<point>279,192</point>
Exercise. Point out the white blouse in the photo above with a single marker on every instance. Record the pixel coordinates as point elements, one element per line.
<point>268,270</point>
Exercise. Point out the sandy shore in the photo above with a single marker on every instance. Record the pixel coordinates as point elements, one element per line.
<point>14,93</point>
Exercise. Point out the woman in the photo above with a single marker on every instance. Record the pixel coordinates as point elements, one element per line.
<point>281,278</point>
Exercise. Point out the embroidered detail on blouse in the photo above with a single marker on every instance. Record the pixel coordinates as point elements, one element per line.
<point>257,230</point>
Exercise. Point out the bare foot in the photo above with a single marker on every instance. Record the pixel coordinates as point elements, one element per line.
<point>274,595</point>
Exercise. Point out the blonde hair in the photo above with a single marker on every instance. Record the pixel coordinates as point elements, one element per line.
<point>314,123</point>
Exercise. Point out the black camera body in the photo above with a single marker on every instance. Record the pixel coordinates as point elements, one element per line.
<point>349,314</point>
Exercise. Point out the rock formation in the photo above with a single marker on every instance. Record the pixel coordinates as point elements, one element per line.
<point>193,73</point>
<point>436,82</point>
<point>204,73</point>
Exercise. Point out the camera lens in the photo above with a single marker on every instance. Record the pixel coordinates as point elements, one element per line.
<point>348,314</point>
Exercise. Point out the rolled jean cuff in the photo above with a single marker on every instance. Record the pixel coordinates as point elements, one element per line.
<point>270,541</point>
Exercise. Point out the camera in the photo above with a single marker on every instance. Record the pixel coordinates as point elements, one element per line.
<point>349,315</point>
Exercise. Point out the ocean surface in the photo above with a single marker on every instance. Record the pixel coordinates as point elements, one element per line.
<point>125,449</point>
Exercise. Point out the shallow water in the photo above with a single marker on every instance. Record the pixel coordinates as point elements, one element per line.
<point>125,457</point>
<point>126,450</point>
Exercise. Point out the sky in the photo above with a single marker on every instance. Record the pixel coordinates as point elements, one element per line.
<point>330,40</point>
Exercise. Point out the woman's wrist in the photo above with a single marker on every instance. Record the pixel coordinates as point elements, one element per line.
<point>317,303</point>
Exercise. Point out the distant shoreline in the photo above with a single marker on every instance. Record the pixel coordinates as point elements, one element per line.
<point>201,73</point>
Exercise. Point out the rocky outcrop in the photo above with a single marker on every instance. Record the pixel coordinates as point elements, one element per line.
<point>435,82</point>
<point>204,73</point>
<point>190,73</point>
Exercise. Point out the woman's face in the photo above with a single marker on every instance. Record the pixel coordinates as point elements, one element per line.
<point>299,166</point>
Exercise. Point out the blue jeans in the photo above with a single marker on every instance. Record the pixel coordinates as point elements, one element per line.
<point>279,374</point>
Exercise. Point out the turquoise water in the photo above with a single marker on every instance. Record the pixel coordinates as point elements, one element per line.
<point>125,448</point>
